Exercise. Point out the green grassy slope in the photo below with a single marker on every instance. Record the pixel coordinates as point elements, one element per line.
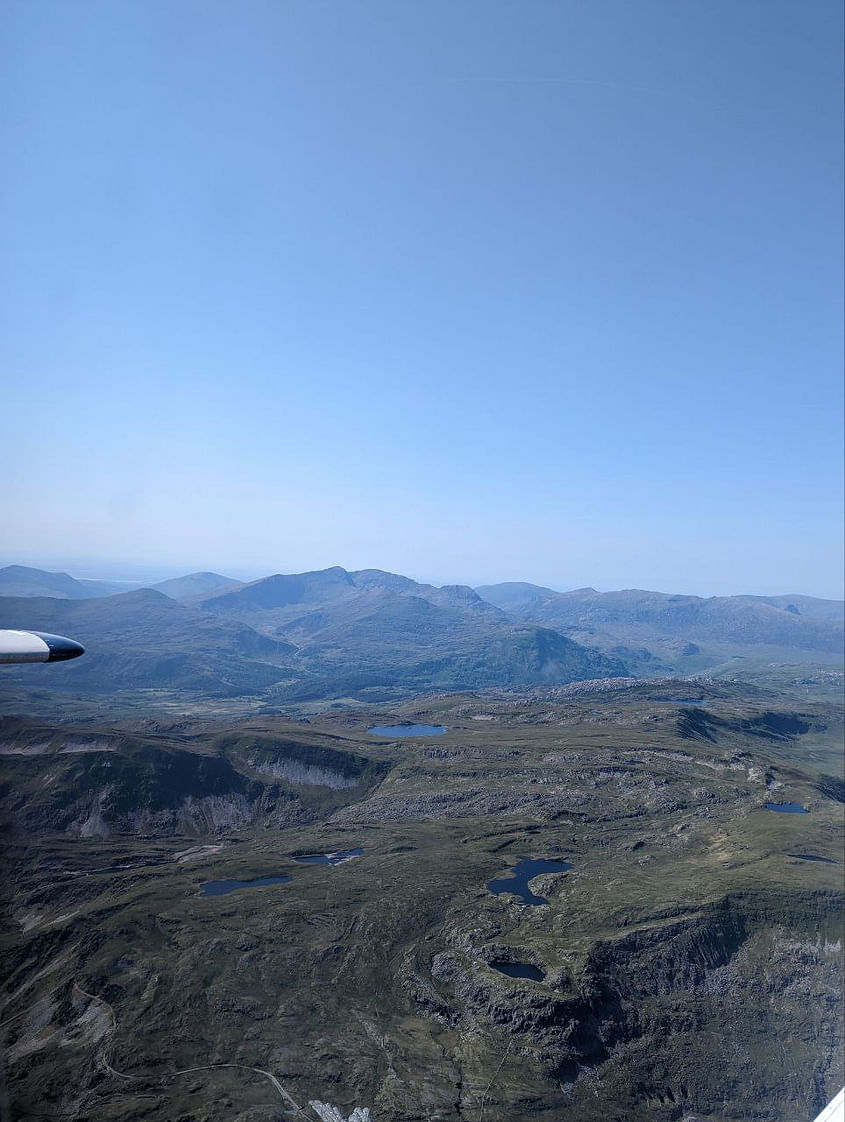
<point>691,960</point>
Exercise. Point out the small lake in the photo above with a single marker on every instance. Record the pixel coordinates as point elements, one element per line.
<point>813,857</point>
<point>329,858</point>
<point>408,730</point>
<point>519,970</point>
<point>787,808</point>
<point>224,887</point>
<point>521,874</point>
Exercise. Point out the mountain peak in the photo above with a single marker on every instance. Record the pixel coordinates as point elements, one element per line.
<point>283,589</point>
<point>195,586</point>
<point>513,594</point>
<point>20,580</point>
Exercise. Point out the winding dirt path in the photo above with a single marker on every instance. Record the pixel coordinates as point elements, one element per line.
<point>245,1067</point>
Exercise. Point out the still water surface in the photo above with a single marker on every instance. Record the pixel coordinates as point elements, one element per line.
<point>329,858</point>
<point>787,808</point>
<point>519,970</point>
<point>224,887</point>
<point>521,874</point>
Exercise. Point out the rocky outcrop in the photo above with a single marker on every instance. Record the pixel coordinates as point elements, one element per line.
<point>96,786</point>
<point>662,984</point>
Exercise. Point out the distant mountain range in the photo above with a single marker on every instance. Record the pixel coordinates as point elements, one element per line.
<point>371,635</point>
<point>20,580</point>
<point>516,595</point>
<point>686,632</point>
<point>367,635</point>
<point>145,640</point>
<point>196,586</point>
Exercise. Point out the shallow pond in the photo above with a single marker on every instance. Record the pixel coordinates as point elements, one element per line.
<point>519,970</point>
<point>522,873</point>
<point>813,857</point>
<point>224,887</point>
<point>787,808</point>
<point>329,858</point>
<point>407,730</point>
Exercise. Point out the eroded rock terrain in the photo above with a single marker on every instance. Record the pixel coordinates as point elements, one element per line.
<point>686,964</point>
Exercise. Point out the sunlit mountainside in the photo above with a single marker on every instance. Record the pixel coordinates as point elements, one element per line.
<point>688,632</point>
<point>490,293</point>
<point>311,635</point>
<point>216,919</point>
<point>21,580</point>
<point>263,845</point>
<point>371,635</point>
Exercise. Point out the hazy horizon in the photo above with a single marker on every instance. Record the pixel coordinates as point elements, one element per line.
<point>473,292</point>
<point>131,573</point>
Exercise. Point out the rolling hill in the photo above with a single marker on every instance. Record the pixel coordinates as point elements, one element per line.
<point>385,630</point>
<point>313,635</point>
<point>144,640</point>
<point>375,636</point>
<point>196,586</point>
<point>21,580</point>
<point>686,632</point>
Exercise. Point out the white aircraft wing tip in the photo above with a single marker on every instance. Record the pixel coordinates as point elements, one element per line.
<point>834,1111</point>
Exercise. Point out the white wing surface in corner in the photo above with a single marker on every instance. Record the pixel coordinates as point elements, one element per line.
<point>834,1111</point>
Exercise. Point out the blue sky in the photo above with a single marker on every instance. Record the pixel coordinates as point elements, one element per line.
<point>472,291</point>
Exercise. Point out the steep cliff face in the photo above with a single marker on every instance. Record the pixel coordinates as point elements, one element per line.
<point>686,963</point>
<point>701,1007</point>
<point>98,785</point>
